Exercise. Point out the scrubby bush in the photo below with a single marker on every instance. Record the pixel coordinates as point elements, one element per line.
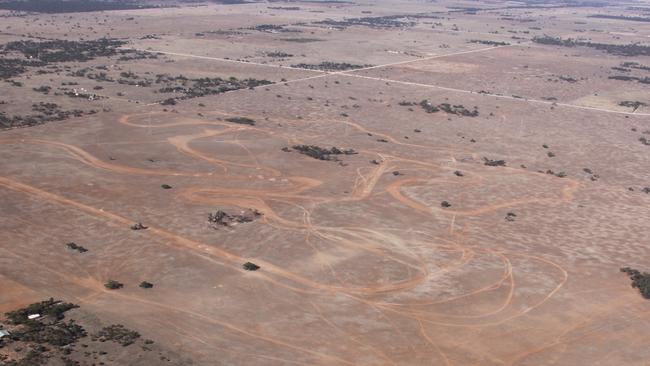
<point>321,153</point>
<point>249,266</point>
<point>145,284</point>
<point>117,333</point>
<point>113,285</point>
<point>241,120</point>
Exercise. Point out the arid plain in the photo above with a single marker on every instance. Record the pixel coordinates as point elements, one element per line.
<point>486,188</point>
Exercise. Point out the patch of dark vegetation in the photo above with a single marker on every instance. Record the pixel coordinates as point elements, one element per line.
<point>145,284</point>
<point>330,66</point>
<point>445,204</point>
<point>490,43</point>
<point>113,285</point>
<point>389,21</point>
<point>593,177</point>
<point>168,101</point>
<point>568,79</point>
<point>39,54</point>
<point>194,88</point>
<point>82,94</point>
<point>39,335</point>
<point>642,80</point>
<point>43,89</point>
<point>130,55</point>
<point>558,174</point>
<point>621,69</point>
<point>116,333</point>
<point>138,226</point>
<point>632,104</point>
<point>321,153</point>
<point>644,141</point>
<point>76,247</point>
<point>635,65</point>
<point>273,28</point>
<point>241,120</point>
<point>47,112</point>
<point>12,67</point>
<point>222,218</point>
<point>458,110</point>
<point>36,356</point>
<point>64,50</point>
<point>166,186</point>
<point>283,7</point>
<point>640,280</point>
<point>620,17</point>
<point>490,162</point>
<point>302,40</point>
<point>48,308</point>
<point>278,54</point>
<point>225,32</point>
<point>70,6</point>
<point>249,266</point>
<point>632,49</point>
<point>510,216</point>
<point>57,333</point>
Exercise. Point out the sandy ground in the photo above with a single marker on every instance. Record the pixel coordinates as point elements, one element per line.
<point>360,264</point>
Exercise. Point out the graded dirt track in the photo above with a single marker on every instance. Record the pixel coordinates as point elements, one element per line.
<point>360,263</point>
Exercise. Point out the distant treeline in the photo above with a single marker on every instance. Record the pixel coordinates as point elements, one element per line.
<point>620,17</point>
<point>490,43</point>
<point>632,49</point>
<point>69,6</point>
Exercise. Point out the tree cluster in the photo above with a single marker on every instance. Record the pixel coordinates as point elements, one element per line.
<point>249,266</point>
<point>222,218</point>
<point>78,248</point>
<point>640,280</point>
<point>116,333</point>
<point>321,153</point>
<point>273,28</point>
<point>642,80</point>
<point>113,285</point>
<point>64,50</point>
<point>194,88</point>
<point>50,308</point>
<point>490,162</point>
<point>47,112</point>
<point>620,17</point>
<point>632,104</point>
<point>330,66</point>
<point>631,49</point>
<point>389,21</point>
<point>490,43</point>
<point>459,109</point>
